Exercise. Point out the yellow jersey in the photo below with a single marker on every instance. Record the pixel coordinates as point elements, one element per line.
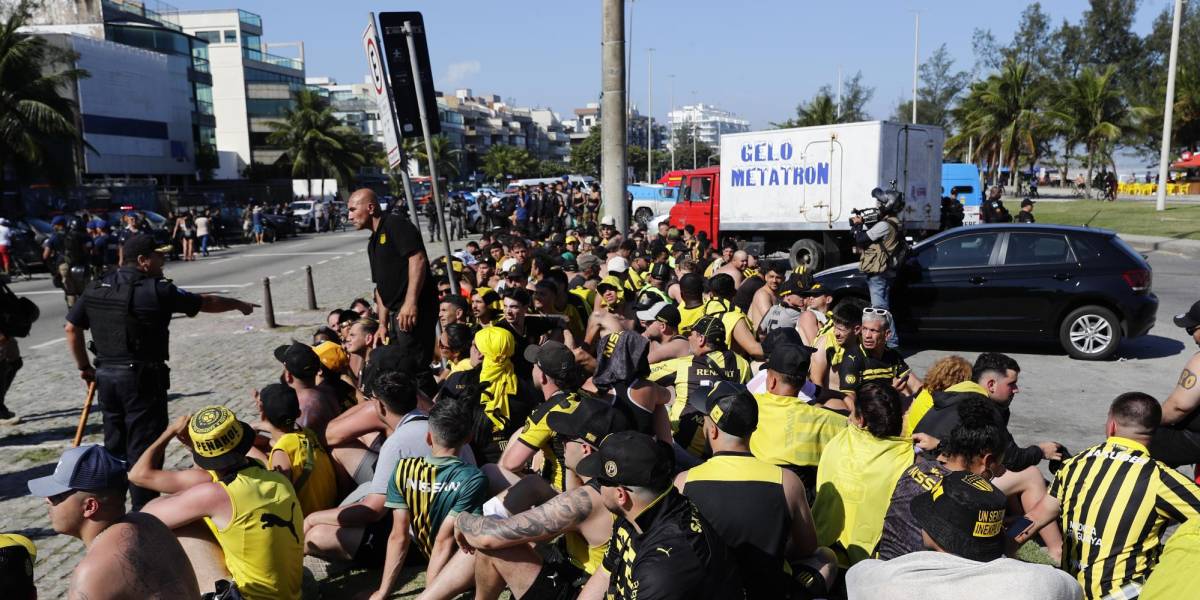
<point>792,432</point>
<point>688,318</point>
<point>312,471</point>
<point>264,539</point>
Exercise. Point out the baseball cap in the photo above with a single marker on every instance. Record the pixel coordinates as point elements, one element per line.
<point>1027,202</point>
<point>618,264</point>
<point>280,405</point>
<point>964,514</point>
<point>629,458</point>
<point>299,359</point>
<point>780,336</point>
<point>586,260</point>
<point>507,264</point>
<point>17,554</point>
<point>401,355</point>
<point>571,240</point>
<point>219,439</point>
<point>332,355</point>
<point>553,358</point>
<point>609,221</point>
<point>661,311</point>
<point>793,285</point>
<point>731,406</point>
<point>590,420</point>
<point>517,272</point>
<point>660,271</point>
<point>710,328</point>
<point>1191,318</point>
<point>816,289</point>
<point>87,468</point>
<point>143,244</point>
<point>609,281</point>
<point>789,359</point>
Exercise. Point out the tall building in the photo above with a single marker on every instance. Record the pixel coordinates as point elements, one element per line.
<point>250,86</point>
<point>708,121</point>
<point>146,108</point>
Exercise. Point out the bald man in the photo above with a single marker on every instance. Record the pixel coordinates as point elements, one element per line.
<point>735,266</point>
<point>404,289</point>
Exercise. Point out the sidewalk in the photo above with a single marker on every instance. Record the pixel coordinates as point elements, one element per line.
<point>215,359</point>
<point>1150,243</point>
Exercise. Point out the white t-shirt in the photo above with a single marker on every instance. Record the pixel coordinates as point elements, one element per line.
<point>201,225</point>
<point>5,235</point>
<point>941,576</point>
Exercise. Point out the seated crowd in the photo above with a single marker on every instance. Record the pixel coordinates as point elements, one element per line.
<point>628,417</point>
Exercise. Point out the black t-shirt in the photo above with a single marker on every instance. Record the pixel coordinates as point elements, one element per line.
<point>391,245</point>
<point>901,532</point>
<point>859,367</point>
<point>535,327</point>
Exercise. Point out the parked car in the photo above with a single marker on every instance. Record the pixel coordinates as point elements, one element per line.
<point>27,242</point>
<point>1084,288</point>
<point>302,214</point>
<point>159,228</point>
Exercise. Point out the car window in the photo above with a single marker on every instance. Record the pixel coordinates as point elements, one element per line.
<point>970,250</point>
<point>1026,248</point>
<point>701,189</point>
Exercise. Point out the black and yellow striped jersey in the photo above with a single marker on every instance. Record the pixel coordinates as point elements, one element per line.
<point>692,377</point>
<point>538,435</point>
<point>1116,501</point>
<point>857,366</point>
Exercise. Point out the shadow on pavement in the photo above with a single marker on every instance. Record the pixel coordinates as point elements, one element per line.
<point>176,396</point>
<point>1150,346</point>
<point>12,485</point>
<point>66,432</point>
<point>1145,347</point>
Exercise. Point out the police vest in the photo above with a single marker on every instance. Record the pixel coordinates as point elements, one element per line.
<point>116,332</point>
<point>73,249</point>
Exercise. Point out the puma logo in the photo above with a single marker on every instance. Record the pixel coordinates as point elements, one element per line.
<point>666,551</point>
<point>270,520</point>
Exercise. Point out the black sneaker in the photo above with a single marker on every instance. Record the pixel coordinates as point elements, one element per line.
<point>7,417</point>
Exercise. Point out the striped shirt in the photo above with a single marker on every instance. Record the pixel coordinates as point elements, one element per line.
<point>1116,500</point>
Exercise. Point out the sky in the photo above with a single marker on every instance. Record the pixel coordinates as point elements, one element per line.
<point>756,58</point>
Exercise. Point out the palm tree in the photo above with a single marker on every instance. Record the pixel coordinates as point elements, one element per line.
<point>1096,113</point>
<point>821,110</point>
<point>315,142</point>
<point>507,161</point>
<point>446,157</point>
<point>36,122</point>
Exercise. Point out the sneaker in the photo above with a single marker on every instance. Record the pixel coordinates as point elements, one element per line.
<point>7,417</point>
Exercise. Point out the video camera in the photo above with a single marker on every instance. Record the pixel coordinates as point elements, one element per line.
<point>870,216</point>
<point>890,202</point>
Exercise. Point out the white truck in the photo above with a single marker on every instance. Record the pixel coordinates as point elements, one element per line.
<point>793,190</point>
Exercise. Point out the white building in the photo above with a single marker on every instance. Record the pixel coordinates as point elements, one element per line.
<point>710,122</point>
<point>251,87</point>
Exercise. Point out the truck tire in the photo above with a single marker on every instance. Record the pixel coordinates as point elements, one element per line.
<point>808,253</point>
<point>1090,333</point>
<point>643,216</point>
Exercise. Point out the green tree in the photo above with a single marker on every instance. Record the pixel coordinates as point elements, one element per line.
<point>1108,37</point>
<point>447,158</point>
<point>38,137</point>
<point>316,144</point>
<point>553,168</point>
<point>1096,113</point>
<point>704,154</point>
<point>585,156</point>
<point>504,162</point>
<point>939,91</point>
<point>823,108</point>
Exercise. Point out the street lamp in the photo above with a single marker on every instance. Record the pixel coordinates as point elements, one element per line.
<point>710,156</point>
<point>1164,155</point>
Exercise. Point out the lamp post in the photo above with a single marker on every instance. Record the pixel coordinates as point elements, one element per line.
<point>1164,155</point>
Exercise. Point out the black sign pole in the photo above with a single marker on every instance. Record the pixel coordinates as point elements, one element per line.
<point>433,174</point>
<point>405,182</point>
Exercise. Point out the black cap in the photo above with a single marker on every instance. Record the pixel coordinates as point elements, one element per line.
<point>142,244</point>
<point>517,272</point>
<point>630,458</point>
<point>964,514</point>
<point>299,359</point>
<point>796,284</point>
<point>790,359</point>
<point>280,405</point>
<point>17,555</point>
<point>780,336</point>
<point>661,311</point>
<point>731,406</point>
<point>816,289</point>
<point>553,358</point>
<point>1027,202</point>
<point>660,271</point>
<point>402,355</point>
<point>1191,318</point>
<point>590,420</point>
<point>711,328</point>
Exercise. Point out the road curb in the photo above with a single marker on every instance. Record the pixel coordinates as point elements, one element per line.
<point>1147,243</point>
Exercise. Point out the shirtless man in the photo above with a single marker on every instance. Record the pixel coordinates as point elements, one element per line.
<point>1177,441</point>
<point>767,295</point>
<point>660,325</point>
<point>318,404</point>
<point>128,555</point>
<point>359,340</point>
<point>735,265</point>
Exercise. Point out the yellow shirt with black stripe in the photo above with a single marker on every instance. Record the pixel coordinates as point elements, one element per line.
<point>730,317</point>
<point>1116,501</point>
<point>537,435</point>
<point>688,317</point>
<point>311,471</point>
<point>791,431</point>
<point>692,377</point>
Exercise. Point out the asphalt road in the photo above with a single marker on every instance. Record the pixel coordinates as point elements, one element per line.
<point>227,271</point>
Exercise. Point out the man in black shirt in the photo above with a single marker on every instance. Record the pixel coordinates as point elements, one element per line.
<point>872,360</point>
<point>1026,214</point>
<point>406,299</point>
<point>661,547</point>
<point>527,329</point>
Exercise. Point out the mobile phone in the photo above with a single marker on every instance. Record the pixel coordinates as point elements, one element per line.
<point>1021,524</point>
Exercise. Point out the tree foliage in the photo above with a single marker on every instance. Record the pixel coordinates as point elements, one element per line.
<point>316,144</point>
<point>447,158</point>
<point>508,162</point>
<point>940,89</point>
<point>822,109</point>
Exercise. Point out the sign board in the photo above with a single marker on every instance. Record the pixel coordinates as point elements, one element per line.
<point>383,99</point>
<point>399,65</point>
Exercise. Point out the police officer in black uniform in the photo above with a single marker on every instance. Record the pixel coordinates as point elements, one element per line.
<point>68,248</point>
<point>129,312</point>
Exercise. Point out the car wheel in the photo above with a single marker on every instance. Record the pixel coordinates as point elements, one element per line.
<point>808,253</point>
<point>1090,333</point>
<point>643,216</point>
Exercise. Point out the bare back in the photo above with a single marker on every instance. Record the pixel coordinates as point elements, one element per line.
<point>135,558</point>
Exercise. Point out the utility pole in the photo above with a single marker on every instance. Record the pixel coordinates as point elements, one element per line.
<point>629,64</point>
<point>1164,155</point>
<point>671,121</point>
<point>612,124</point>
<point>695,113</point>
<point>916,60</point>
<point>649,119</point>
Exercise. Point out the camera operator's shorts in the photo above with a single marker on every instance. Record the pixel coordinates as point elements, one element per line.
<point>558,580</point>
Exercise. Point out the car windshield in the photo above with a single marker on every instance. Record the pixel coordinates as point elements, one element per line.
<point>302,205</point>
<point>157,221</point>
<point>40,226</point>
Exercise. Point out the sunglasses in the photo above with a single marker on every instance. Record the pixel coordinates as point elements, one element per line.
<point>57,499</point>
<point>1191,330</point>
<point>871,310</point>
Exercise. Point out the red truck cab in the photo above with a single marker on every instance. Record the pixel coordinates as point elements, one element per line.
<point>699,201</point>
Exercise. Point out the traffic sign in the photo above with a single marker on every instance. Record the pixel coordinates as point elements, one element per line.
<point>399,66</point>
<point>383,100</point>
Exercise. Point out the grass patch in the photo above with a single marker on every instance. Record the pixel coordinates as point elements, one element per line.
<point>1179,221</point>
<point>40,455</point>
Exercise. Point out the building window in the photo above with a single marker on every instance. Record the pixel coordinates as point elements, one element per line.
<point>230,36</point>
<point>212,37</point>
<point>253,42</point>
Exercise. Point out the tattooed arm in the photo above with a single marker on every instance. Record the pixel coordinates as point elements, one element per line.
<point>564,512</point>
<point>1185,398</point>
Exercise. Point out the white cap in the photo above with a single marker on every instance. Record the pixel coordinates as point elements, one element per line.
<point>507,264</point>
<point>610,220</point>
<point>618,264</point>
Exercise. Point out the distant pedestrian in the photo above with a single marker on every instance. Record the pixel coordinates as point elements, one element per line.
<point>256,222</point>
<point>202,231</point>
<point>431,216</point>
<point>5,244</point>
<point>1026,214</point>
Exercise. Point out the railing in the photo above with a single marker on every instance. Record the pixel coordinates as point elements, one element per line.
<point>200,65</point>
<point>250,18</point>
<point>204,107</point>
<point>159,12</point>
<point>271,59</point>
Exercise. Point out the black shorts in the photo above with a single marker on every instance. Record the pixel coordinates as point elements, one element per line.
<point>558,580</point>
<point>1175,446</point>
<point>372,550</point>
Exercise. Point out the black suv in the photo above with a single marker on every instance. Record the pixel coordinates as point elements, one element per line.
<point>1083,287</point>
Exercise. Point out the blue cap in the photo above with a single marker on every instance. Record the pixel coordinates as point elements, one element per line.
<point>59,220</point>
<point>86,468</point>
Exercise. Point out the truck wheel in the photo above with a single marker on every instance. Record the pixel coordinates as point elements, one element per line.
<point>643,216</point>
<point>1090,333</point>
<point>808,253</point>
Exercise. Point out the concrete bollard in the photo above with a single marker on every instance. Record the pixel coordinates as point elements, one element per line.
<point>312,292</point>
<point>268,306</point>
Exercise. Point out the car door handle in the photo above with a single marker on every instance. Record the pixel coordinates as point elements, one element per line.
<point>977,279</point>
<point>1063,276</point>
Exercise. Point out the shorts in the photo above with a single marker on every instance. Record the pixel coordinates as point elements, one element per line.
<point>372,549</point>
<point>557,580</point>
<point>1175,446</point>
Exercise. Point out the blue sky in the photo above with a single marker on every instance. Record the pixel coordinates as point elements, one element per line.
<point>758,58</point>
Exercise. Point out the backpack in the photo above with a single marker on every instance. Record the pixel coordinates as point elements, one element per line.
<point>17,313</point>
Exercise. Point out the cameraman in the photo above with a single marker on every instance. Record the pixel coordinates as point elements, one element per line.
<point>880,246</point>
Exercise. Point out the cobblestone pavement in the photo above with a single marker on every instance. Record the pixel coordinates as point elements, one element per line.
<point>215,359</point>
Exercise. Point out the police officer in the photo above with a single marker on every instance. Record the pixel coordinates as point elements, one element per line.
<point>129,312</point>
<point>68,248</point>
<point>882,245</point>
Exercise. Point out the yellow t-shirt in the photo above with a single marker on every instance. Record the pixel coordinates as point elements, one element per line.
<point>688,318</point>
<point>792,432</point>
<point>312,471</point>
<point>264,540</point>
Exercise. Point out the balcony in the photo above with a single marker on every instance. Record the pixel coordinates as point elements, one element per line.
<point>152,10</point>
<point>249,18</point>
<point>272,59</point>
<point>200,65</point>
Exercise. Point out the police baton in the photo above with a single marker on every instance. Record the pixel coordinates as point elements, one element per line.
<point>83,417</point>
